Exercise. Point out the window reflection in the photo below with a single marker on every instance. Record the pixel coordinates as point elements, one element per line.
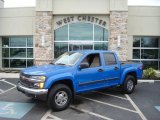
<point>136,54</point>
<point>81,31</point>
<point>17,63</point>
<point>30,62</point>
<point>5,52</point>
<point>100,34</point>
<point>136,42</point>
<point>148,64</point>
<point>60,48</point>
<point>30,42</point>
<point>18,42</point>
<point>148,51</point>
<point>149,42</point>
<point>149,54</point>
<point>82,34</point>
<point>5,42</point>
<point>30,53</point>
<point>5,63</point>
<point>101,46</point>
<point>16,51</point>
<point>61,33</point>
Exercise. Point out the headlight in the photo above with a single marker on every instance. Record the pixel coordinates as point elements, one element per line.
<point>38,78</point>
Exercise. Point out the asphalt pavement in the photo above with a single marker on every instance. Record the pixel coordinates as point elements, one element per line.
<point>106,104</point>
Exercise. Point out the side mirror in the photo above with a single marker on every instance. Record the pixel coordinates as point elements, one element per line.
<point>83,65</point>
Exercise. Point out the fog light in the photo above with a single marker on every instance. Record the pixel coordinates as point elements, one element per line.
<point>36,85</point>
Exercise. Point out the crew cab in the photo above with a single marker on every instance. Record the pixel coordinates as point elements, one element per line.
<point>77,72</point>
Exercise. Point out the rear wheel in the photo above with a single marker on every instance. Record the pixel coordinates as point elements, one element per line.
<point>129,84</point>
<point>59,97</point>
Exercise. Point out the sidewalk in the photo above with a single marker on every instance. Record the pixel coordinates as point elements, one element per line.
<point>9,75</point>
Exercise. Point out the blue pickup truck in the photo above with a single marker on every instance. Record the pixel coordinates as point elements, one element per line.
<point>77,72</point>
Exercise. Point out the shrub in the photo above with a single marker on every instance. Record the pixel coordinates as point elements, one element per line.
<point>149,73</point>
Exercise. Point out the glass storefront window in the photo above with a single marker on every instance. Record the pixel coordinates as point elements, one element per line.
<point>148,64</point>
<point>5,63</point>
<point>29,52</point>
<point>61,33</point>
<point>136,54</point>
<point>147,50</point>
<point>5,52</point>
<point>136,42</point>
<point>29,62</point>
<point>81,31</point>
<point>100,34</point>
<point>149,54</point>
<point>101,46</point>
<point>149,42</point>
<point>80,36</point>
<point>17,52</point>
<point>60,48</point>
<point>18,42</point>
<point>29,42</point>
<point>17,63</point>
<point>5,42</point>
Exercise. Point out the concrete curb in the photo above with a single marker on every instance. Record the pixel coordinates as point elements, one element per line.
<point>148,81</point>
<point>9,75</point>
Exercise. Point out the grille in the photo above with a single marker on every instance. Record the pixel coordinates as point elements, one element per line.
<point>24,80</point>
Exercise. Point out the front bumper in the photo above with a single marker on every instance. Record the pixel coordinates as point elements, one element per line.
<point>31,91</point>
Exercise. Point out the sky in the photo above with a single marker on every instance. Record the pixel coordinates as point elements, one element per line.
<point>26,3</point>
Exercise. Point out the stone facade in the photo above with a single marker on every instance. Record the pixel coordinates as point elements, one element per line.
<point>43,51</point>
<point>118,27</point>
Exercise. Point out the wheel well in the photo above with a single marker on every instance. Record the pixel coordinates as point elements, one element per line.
<point>133,74</point>
<point>67,82</point>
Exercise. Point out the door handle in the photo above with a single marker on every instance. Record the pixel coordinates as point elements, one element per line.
<point>116,68</point>
<point>100,70</point>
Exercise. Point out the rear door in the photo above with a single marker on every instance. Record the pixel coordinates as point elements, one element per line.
<point>111,68</point>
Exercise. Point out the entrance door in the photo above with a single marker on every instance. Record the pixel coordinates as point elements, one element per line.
<point>80,46</point>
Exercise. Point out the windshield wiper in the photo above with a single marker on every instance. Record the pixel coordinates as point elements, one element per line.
<point>60,64</point>
<point>52,63</point>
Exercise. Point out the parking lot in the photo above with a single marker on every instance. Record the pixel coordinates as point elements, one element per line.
<point>106,104</point>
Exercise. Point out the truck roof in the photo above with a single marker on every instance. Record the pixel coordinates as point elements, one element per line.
<point>92,51</point>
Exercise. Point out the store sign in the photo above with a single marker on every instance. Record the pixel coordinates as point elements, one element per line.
<point>80,18</point>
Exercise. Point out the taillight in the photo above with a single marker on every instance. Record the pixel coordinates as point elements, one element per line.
<point>141,67</point>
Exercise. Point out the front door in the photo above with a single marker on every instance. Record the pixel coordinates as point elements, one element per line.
<point>91,77</point>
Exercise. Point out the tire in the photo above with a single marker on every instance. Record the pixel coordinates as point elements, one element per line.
<point>60,97</point>
<point>129,84</point>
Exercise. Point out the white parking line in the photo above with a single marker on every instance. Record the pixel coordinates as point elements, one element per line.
<point>136,108</point>
<point>8,82</point>
<point>2,91</point>
<point>110,95</point>
<point>91,113</point>
<point>105,103</point>
<point>48,114</point>
<point>7,90</point>
<point>146,81</point>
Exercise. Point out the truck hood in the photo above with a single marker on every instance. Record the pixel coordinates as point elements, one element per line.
<point>45,69</point>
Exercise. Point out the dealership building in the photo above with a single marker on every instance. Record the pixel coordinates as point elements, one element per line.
<point>37,35</point>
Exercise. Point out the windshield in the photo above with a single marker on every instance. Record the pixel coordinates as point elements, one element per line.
<point>68,58</point>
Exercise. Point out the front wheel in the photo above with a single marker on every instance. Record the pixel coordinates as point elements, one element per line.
<point>129,84</point>
<point>59,97</point>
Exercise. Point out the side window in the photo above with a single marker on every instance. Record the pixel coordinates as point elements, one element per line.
<point>109,59</point>
<point>93,60</point>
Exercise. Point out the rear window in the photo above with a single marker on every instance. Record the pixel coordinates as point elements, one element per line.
<point>109,59</point>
